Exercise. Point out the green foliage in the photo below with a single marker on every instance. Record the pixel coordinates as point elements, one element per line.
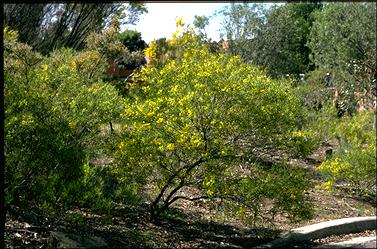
<point>106,42</point>
<point>337,38</point>
<point>50,26</point>
<point>134,57</point>
<point>173,214</point>
<point>26,19</point>
<point>316,97</point>
<point>284,37</point>
<point>19,57</point>
<point>273,38</point>
<point>242,22</point>
<point>76,219</point>
<point>282,183</point>
<point>200,23</point>
<point>343,42</point>
<point>97,188</point>
<point>304,142</point>
<point>134,11</point>
<point>132,60</point>
<point>110,46</point>
<point>354,162</point>
<point>52,114</point>
<point>198,114</point>
<point>132,40</point>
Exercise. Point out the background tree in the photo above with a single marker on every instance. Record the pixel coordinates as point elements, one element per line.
<point>65,25</point>
<point>28,19</point>
<point>346,49</point>
<point>200,23</point>
<point>132,40</point>
<point>273,38</point>
<point>134,10</point>
<point>242,23</point>
<point>282,44</point>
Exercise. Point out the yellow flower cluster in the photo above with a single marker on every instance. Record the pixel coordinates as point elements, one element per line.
<point>151,51</point>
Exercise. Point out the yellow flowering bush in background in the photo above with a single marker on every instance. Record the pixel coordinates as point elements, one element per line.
<point>353,164</point>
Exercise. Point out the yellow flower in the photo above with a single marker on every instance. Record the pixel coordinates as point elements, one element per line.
<point>160,120</point>
<point>199,86</point>
<point>170,147</point>
<point>174,89</point>
<point>328,185</point>
<point>179,22</point>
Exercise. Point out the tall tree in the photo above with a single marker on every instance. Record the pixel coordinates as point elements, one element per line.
<point>343,42</point>
<point>65,25</point>
<point>200,23</point>
<point>242,22</point>
<point>27,19</point>
<point>274,38</point>
<point>281,47</point>
<point>343,32</point>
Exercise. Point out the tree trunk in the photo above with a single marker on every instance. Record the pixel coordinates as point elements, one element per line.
<point>111,127</point>
<point>155,213</point>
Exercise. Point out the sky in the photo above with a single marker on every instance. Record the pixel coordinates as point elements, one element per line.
<point>160,20</point>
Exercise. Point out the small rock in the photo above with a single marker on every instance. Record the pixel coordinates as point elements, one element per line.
<point>66,240</point>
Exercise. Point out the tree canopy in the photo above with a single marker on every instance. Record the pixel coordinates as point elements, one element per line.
<point>132,40</point>
<point>347,50</point>
<point>273,38</point>
<point>50,25</point>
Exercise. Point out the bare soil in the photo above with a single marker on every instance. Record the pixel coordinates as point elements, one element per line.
<point>191,225</point>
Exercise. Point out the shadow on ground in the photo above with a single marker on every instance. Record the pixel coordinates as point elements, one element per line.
<point>129,227</point>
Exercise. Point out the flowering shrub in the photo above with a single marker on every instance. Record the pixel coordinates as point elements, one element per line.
<point>196,120</point>
<point>52,114</point>
<point>354,163</point>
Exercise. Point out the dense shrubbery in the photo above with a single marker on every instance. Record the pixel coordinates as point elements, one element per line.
<point>354,162</point>
<point>53,112</point>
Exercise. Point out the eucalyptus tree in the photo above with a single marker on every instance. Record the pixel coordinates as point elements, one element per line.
<point>49,26</point>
